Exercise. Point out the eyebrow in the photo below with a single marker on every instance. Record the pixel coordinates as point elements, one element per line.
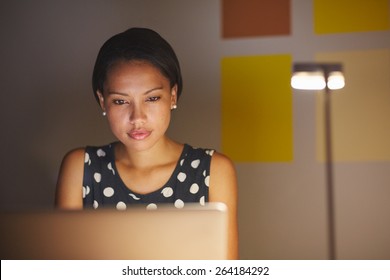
<point>145,93</point>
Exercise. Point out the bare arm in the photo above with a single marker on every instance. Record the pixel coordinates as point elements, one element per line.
<point>223,188</point>
<point>70,179</point>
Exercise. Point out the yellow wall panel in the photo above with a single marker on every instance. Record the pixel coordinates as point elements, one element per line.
<point>337,16</point>
<point>360,111</point>
<point>257,108</point>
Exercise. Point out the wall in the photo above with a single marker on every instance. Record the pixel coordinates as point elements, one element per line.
<point>47,54</point>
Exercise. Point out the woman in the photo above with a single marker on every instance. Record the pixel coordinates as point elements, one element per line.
<point>137,83</point>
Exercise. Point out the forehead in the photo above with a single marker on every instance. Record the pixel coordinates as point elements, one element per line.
<point>123,65</point>
<point>135,73</point>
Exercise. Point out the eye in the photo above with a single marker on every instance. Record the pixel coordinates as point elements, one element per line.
<point>119,101</point>
<point>153,99</point>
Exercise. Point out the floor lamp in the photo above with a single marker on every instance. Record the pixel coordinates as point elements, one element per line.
<point>328,77</point>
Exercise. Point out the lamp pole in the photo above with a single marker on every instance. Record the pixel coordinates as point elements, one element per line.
<point>309,76</point>
<point>329,170</point>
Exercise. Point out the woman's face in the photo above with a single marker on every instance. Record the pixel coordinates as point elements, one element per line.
<point>138,100</point>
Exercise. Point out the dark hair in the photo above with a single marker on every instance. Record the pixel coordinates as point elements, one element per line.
<point>137,44</point>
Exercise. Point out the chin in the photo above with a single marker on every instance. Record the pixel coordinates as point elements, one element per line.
<point>139,145</point>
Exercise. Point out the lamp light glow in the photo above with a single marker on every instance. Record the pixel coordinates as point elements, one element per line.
<point>317,76</point>
<point>336,80</point>
<point>308,80</point>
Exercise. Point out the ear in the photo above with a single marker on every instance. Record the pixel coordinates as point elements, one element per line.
<point>101,100</point>
<point>174,95</point>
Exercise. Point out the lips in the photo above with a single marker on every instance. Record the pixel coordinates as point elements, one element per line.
<point>139,134</point>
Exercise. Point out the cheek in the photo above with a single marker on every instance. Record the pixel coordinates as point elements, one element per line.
<point>117,115</point>
<point>161,116</point>
<point>117,119</point>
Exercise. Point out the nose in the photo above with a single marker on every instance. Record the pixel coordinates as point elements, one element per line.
<point>137,114</point>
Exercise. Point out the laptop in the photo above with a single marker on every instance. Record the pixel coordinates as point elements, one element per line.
<point>166,233</point>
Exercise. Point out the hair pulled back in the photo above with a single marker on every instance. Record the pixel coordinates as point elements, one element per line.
<point>137,44</point>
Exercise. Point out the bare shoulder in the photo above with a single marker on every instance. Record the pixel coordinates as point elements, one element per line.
<point>223,179</point>
<point>73,161</point>
<point>75,155</point>
<point>69,183</point>
<point>222,168</point>
<point>223,188</point>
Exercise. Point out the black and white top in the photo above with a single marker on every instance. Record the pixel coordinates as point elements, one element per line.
<point>103,187</point>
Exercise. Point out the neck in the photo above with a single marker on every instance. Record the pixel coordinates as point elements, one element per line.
<point>161,153</point>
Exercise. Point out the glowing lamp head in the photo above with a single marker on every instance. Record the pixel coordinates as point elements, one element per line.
<point>317,76</point>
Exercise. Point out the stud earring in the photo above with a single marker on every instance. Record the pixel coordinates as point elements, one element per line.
<point>104,113</point>
<point>174,106</point>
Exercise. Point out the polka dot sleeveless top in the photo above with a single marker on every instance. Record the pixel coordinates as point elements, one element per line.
<point>103,187</point>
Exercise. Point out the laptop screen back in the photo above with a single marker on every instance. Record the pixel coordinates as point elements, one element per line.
<point>193,232</point>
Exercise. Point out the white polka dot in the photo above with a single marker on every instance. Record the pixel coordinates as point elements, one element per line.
<point>87,159</point>
<point>101,153</point>
<point>207,180</point>
<point>121,205</point>
<point>109,166</point>
<point>167,192</point>
<point>108,192</point>
<point>204,173</point>
<point>151,206</point>
<point>210,152</point>
<point>97,177</point>
<point>194,188</point>
<point>195,163</point>
<point>179,203</point>
<point>86,191</point>
<point>95,204</point>
<point>134,196</point>
<point>181,162</point>
<point>202,201</point>
<point>181,177</point>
